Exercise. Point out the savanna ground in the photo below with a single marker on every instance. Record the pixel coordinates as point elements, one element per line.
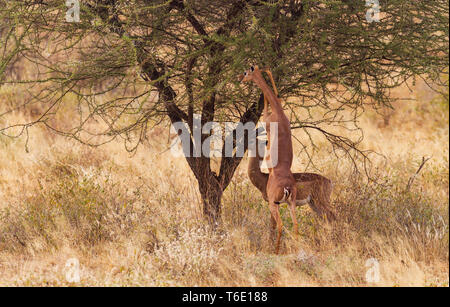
<point>135,220</point>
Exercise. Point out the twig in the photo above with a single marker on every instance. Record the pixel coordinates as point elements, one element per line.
<point>411,179</point>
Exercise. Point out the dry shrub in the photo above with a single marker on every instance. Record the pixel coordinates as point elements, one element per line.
<point>193,252</point>
<point>392,212</point>
<point>74,208</point>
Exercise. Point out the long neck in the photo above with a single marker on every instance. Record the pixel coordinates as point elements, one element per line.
<point>268,93</point>
<point>258,178</point>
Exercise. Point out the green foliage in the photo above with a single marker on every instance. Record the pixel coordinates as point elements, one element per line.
<point>199,47</point>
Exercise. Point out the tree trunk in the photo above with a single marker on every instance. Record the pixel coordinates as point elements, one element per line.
<point>211,192</point>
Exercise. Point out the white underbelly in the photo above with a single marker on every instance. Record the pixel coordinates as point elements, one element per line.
<point>302,202</point>
<point>298,202</point>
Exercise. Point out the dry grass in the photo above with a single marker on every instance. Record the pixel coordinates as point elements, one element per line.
<point>136,221</point>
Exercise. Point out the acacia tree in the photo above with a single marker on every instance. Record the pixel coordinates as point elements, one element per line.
<point>326,53</point>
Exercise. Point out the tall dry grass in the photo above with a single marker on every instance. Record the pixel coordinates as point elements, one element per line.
<point>136,220</point>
